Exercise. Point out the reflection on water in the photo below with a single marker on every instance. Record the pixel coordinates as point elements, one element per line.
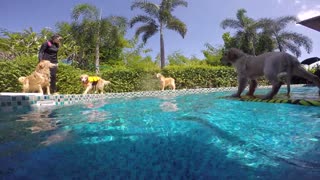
<point>95,112</point>
<point>42,119</point>
<point>169,104</point>
<point>56,138</point>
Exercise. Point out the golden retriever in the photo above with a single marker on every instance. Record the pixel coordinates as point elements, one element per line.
<point>39,79</point>
<point>93,83</point>
<point>164,82</point>
<point>273,65</point>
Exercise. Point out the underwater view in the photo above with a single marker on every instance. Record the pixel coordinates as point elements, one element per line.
<point>197,136</point>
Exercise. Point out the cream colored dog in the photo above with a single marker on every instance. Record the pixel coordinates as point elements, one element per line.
<point>273,65</point>
<point>39,79</point>
<point>164,82</point>
<point>95,83</point>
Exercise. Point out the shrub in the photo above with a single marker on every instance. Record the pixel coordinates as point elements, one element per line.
<point>201,76</point>
<point>12,70</point>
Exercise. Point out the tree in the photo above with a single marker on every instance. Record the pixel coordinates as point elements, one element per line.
<point>102,37</point>
<point>212,55</point>
<point>113,29</point>
<point>286,40</point>
<point>264,44</point>
<point>26,43</point>
<point>159,16</point>
<point>177,58</point>
<point>229,41</point>
<point>246,31</point>
<point>69,48</point>
<point>90,15</point>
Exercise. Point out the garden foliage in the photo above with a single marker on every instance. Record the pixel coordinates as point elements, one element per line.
<point>123,79</point>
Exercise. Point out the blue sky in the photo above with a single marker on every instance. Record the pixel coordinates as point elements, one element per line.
<point>202,17</point>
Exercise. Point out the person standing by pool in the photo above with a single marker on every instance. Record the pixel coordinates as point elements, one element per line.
<point>49,51</point>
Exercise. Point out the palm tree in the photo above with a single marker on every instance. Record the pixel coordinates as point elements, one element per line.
<point>286,40</point>
<point>159,16</point>
<point>90,14</point>
<point>246,31</point>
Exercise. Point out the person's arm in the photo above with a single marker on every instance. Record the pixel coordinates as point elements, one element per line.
<point>43,47</point>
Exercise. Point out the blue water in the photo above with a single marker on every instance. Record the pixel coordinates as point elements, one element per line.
<point>199,136</point>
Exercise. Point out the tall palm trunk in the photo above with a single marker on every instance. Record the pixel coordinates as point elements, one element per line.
<point>254,45</point>
<point>97,55</point>
<point>279,44</point>
<point>162,61</point>
<point>97,52</point>
<point>251,45</point>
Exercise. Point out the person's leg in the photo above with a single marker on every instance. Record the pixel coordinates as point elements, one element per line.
<point>53,79</point>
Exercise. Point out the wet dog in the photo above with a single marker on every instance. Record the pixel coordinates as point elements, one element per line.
<point>93,83</point>
<point>275,66</point>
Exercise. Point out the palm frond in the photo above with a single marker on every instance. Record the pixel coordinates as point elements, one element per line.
<point>282,22</point>
<point>176,3</point>
<point>241,16</point>
<point>88,11</point>
<point>299,40</point>
<point>266,24</point>
<point>177,25</point>
<point>150,8</point>
<point>170,5</point>
<point>118,21</point>
<point>105,26</point>
<point>141,18</point>
<point>148,30</point>
<point>230,23</point>
<point>292,48</point>
<point>147,35</point>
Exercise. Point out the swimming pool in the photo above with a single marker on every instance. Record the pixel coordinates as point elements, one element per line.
<point>192,136</point>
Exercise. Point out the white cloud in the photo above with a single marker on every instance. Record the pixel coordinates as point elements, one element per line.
<point>279,1</point>
<point>297,1</point>
<point>302,15</point>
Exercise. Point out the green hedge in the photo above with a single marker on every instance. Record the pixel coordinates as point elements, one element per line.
<point>201,76</point>
<point>12,70</point>
<point>122,79</point>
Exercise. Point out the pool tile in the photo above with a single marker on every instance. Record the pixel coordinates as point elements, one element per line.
<point>61,100</point>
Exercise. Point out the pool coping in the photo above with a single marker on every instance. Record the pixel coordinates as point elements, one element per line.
<point>10,102</point>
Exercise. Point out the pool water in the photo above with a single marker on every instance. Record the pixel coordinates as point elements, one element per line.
<point>198,136</point>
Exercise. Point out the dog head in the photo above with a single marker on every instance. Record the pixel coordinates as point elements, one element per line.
<point>158,75</point>
<point>84,78</point>
<point>45,64</point>
<point>230,56</point>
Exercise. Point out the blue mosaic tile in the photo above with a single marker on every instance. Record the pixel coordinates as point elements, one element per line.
<point>60,100</point>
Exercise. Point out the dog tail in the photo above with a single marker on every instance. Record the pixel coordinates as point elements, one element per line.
<point>25,81</point>
<point>22,79</point>
<point>106,82</point>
